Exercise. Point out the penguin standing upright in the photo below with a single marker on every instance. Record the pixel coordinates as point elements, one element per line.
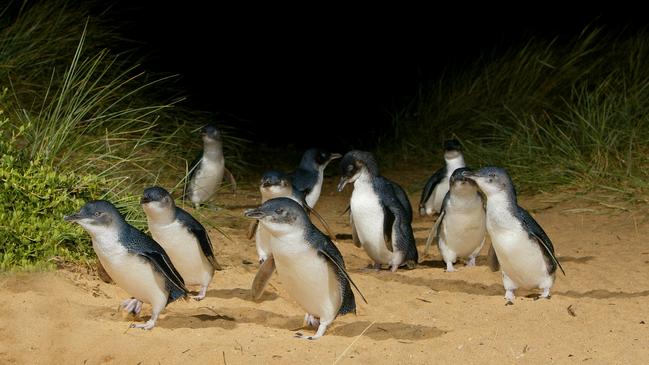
<point>309,265</point>
<point>184,239</point>
<point>207,171</point>
<point>460,228</point>
<point>524,251</point>
<point>133,260</point>
<point>307,178</point>
<point>381,214</point>
<point>437,185</point>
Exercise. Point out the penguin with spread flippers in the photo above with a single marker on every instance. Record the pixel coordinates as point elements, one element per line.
<point>134,261</point>
<point>309,265</point>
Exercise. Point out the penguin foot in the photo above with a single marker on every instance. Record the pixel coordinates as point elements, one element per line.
<point>509,296</point>
<point>321,330</point>
<point>311,321</point>
<point>201,294</point>
<point>145,326</point>
<point>449,267</point>
<point>544,295</point>
<point>509,302</point>
<point>471,262</point>
<point>132,306</point>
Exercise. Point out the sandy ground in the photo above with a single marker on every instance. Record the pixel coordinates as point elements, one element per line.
<point>599,312</point>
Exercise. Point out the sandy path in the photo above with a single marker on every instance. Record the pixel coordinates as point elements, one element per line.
<point>420,316</point>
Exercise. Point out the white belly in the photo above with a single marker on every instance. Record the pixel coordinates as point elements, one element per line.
<point>206,180</point>
<point>463,231</point>
<point>519,257</point>
<point>131,272</point>
<point>262,240</point>
<point>307,278</point>
<point>367,214</point>
<point>437,197</point>
<point>314,195</point>
<point>185,253</point>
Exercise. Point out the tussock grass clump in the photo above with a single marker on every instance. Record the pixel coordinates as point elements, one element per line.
<point>79,122</point>
<point>572,113</point>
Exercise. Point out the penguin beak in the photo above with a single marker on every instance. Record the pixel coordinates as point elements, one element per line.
<point>72,217</point>
<point>254,213</point>
<point>335,156</point>
<point>342,183</point>
<point>145,200</point>
<point>469,174</point>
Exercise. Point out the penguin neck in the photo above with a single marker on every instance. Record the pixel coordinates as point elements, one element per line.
<point>161,216</point>
<point>501,208</point>
<point>464,197</point>
<point>275,191</point>
<point>454,163</point>
<point>213,150</point>
<point>364,178</point>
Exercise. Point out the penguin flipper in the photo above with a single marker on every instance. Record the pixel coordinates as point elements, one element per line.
<point>252,229</point>
<point>324,223</point>
<point>191,171</point>
<point>402,238</point>
<point>162,264</point>
<point>388,223</point>
<point>303,181</point>
<point>432,182</point>
<point>434,232</point>
<point>535,231</point>
<point>266,270</point>
<point>198,231</point>
<point>402,197</point>
<point>233,182</point>
<point>329,250</point>
<point>357,241</point>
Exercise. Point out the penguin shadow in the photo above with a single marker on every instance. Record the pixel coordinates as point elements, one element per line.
<point>578,260</point>
<point>459,264</point>
<point>241,293</point>
<point>446,285</point>
<point>601,294</point>
<point>386,331</point>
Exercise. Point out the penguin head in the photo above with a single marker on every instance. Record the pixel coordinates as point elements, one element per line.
<point>353,164</point>
<point>156,200</point>
<point>460,183</point>
<point>96,216</point>
<point>316,157</point>
<point>492,181</point>
<point>210,134</point>
<point>452,149</point>
<point>279,215</point>
<point>274,183</point>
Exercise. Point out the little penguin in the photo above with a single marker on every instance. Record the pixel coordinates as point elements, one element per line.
<point>207,170</point>
<point>184,239</point>
<point>524,251</point>
<point>460,228</point>
<point>437,185</point>
<point>380,212</point>
<point>274,184</point>
<point>134,261</point>
<point>307,178</point>
<point>309,265</point>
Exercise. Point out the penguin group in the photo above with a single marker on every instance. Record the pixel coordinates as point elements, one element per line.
<point>470,205</point>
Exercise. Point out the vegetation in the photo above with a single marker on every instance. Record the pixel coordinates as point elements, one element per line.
<point>78,122</point>
<point>555,113</point>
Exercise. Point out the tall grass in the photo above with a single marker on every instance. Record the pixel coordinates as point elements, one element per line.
<point>74,111</point>
<point>572,113</point>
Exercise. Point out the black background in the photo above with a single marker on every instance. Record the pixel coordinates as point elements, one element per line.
<point>330,74</point>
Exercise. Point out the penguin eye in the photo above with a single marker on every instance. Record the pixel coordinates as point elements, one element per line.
<point>350,167</point>
<point>492,175</point>
<point>279,211</point>
<point>97,214</point>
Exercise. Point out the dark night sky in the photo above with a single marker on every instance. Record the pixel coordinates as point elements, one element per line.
<point>336,71</point>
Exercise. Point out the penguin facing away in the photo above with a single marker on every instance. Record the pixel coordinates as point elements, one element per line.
<point>524,251</point>
<point>309,265</point>
<point>460,228</point>
<point>134,261</point>
<point>437,186</point>
<point>183,238</point>
<point>207,170</point>
<point>307,178</point>
<point>381,214</point>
